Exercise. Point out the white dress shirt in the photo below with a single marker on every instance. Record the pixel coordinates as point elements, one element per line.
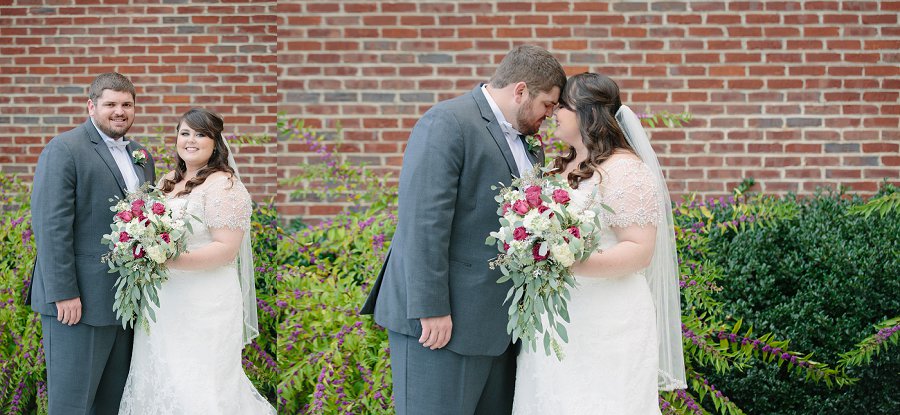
<point>122,158</point>
<point>516,145</point>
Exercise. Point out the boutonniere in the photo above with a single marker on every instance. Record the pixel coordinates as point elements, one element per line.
<point>139,157</point>
<point>534,142</point>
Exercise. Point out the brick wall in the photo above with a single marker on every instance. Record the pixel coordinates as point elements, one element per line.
<point>795,94</point>
<point>215,55</point>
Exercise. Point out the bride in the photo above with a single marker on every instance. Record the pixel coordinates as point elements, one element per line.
<point>625,330</point>
<point>190,362</point>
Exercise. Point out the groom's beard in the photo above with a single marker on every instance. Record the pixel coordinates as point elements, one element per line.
<point>526,125</point>
<point>113,132</point>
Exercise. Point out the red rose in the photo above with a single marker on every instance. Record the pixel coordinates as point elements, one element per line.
<point>533,196</point>
<point>560,196</point>
<point>541,209</point>
<point>159,208</point>
<point>521,207</point>
<point>165,237</point>
<point>539,138</point>
<point>126,216</point>
<point>124,237</point>
<point>536,253</point>
<point>138,251</point>
<point>142,218</point>
<point>520,234</point>
<point>574,231</point>
<point>506,247</point>
<point>506,208</point>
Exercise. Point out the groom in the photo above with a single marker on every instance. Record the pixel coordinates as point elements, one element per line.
<point>440,302</point>
<point>86,349</point>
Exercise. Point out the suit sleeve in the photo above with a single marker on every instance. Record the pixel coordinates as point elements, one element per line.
<point>429,181</point>
<point>52,216</point>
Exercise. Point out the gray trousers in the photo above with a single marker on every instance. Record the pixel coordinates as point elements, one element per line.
<point>86,367</point>
<point>440,381</point>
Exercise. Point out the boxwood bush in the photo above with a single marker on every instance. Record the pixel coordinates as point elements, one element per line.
<point>821,277</point>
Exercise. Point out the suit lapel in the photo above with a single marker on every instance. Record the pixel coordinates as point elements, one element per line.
<point>493,127</point>
<point>103,151</point>
<point>535,156</point>
<point>139,170</point>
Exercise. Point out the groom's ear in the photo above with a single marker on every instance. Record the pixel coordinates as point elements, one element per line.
<point>519,92</point>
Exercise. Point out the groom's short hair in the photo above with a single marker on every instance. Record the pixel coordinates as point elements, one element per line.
<point>532,65</point>
<point>110,80</point>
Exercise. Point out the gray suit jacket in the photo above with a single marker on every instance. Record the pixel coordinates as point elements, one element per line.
<point>438,262</point>
<point>76,176</point>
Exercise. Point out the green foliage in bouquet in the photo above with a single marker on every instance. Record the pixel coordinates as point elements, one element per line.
<point>536,250</point>
<point>138,259</point>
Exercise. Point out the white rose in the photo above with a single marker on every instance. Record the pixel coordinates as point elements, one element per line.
<point>536,223</point>
<point>134,228</point>
<point>511,197</point>
<point>562,255</point>
<point>157,254</point>
<point>518,246</point>
<point>588,215</point>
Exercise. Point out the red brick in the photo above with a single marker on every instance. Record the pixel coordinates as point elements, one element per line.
<point>802,173</point>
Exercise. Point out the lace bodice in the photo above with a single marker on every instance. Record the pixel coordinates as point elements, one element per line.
<point>221,202</point>
<point>628,188</point>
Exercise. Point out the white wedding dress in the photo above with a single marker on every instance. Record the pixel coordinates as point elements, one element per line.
<point>611,360</point>
<point>190,362</point>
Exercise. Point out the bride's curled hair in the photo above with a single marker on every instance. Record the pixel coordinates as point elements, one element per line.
<point>594,98</point>
<point>211,125</point>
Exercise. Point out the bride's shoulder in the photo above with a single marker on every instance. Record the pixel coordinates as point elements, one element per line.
<point>219,176</point>
<point>621,162</point>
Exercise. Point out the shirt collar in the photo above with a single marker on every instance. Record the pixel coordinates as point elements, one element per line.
<point>504,125</point>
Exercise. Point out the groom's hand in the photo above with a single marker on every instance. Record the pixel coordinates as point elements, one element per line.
<point>69,311</point>
<point>436,331</point>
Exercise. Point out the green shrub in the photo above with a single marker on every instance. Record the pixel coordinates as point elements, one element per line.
<point>822,278</point>
<point>332,359</point>
<point>23,387</point>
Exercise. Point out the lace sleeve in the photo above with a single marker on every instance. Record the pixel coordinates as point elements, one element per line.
<point>629,190</point>
<point>227,204</point>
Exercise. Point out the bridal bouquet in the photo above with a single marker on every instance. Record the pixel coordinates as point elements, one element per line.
<point>542,233</point>
<point>145,233</point>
